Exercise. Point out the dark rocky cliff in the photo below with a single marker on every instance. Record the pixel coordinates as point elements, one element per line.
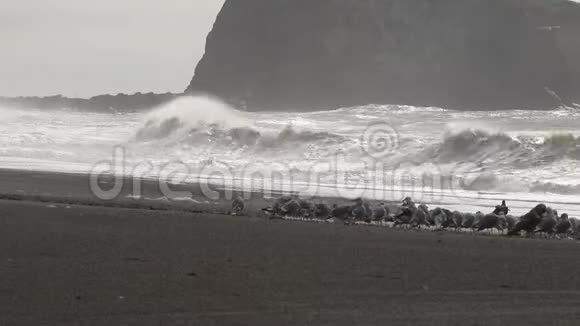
<point>470,54</point>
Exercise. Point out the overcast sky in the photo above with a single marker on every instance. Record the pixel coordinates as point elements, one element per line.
<point>89,47</point>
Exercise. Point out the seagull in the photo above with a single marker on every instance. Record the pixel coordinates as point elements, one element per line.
<point>406,213</point>
<point>307,208</point>
<point>458,218</point>
<point>468,220</point>
<point>341,213</point>
<point>437,217</point>
<point>380,213</point>
<point>547,223</point>
<point>564,225</point>
<point>238,206</point>
<point>511,221</point>
<point>489,221</point>
<point>447,218</point>
<point>477,219</point>
<point>359,211</point>
<point>501,209</point>
<point>291,209</point>
<point>420,216</point>
<point>278,204</point>
<point>529,221</point>
<point>321,211</point>
<point>575,225</point>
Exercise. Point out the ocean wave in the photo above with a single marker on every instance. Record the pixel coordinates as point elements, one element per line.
<point>482,147</point>
<point>207,122</point>
<point>555,188</point>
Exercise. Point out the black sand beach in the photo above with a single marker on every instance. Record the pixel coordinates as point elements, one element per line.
<point>68,264</point>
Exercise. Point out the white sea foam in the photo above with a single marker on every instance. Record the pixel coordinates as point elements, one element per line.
<point>519,154</point>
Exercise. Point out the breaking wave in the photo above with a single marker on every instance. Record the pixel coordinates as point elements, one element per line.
<point>209,122</point>
<point>520,151</point>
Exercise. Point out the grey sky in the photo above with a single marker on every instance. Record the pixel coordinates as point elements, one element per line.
<point>87,47</point>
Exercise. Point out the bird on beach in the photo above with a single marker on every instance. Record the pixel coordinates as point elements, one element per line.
<point>359,211</point>
<point>478,217</point>
<point>564,225</point>
<point>443,218</point>
<point>276,209</point>
<point>321,211</point>
<point>540,219</point>
<point>431,217</point>
<point>547,223</point>
<point>341,213</point>
<point>468,220</point>
<point>501,209</point>
<point>511,221</point>
<point>238,206</point>
<point>291,209</point>
<point>307,208</point>
<point>529,221</point>
<point>448,218</point>
<point>458,218</point>
<point>574,225</point>
<point>419,218</point>
<point>437,217</point>
<point>489,221</point>
<point>380,213</point>
<point>406,213</point>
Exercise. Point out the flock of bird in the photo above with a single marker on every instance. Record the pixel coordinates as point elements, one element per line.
<point>540,220</point>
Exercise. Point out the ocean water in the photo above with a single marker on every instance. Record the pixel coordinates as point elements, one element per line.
<point>462,160</point>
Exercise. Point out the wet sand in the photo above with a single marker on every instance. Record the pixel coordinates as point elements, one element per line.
<point>79,265</point>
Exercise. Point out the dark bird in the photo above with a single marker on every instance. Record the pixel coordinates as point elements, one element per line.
<point>368,211</point>
<point>529,221</point>
<point>408,201</point>
<point>564,225</point>
<point>307,208</point>
<point>321,211</point>
<point>291,209</point>
<point>341,213</point>
<point>431,217</point>
<point>359,211</point>
<point>575,225</point>
<point>420,216</point>
<point>458,218</point>
<point>279,203</point>
<point>380,213</point>
<point>547,223</point>
<point>501,209</point>
<point>468,220</point>
<point>478,217</point>
<point>511,221</point>
<point>238,206</point>
<point>489,221</point>
<point>447,219</point>
<point>406,212</point>
<point>437,217</point>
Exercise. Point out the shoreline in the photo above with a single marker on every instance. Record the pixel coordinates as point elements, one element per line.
<point>73,189</point>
